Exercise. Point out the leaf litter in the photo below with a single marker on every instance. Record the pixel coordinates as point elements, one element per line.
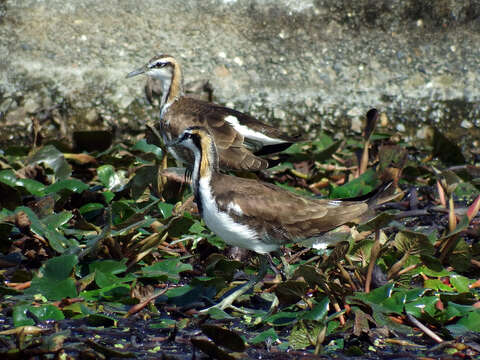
<point>104,255</point>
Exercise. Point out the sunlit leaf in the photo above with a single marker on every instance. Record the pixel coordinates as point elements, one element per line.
<point>53,159</point>
<point>460,283</point>
<point>145,147</point>
<point>34,187</point>
<point>359,186</point>
<point>111,179</point>
<point>376,296</point>
<point>21,315</point>
<point>437,284</point>
<point>166,209</point>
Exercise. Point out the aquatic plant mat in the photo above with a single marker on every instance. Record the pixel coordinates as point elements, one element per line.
<point>103,255</point>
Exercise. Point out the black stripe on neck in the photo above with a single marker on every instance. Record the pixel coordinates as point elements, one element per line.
<point>196,176</point>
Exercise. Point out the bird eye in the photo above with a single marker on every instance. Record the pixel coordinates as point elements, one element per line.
<point>159,64</point>
<point>187,136</point>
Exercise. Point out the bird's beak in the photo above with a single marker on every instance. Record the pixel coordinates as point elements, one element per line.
<point>136,72</point>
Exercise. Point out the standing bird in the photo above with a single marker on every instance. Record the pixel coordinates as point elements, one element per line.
<point>239,138</point>
<point>260,216</point>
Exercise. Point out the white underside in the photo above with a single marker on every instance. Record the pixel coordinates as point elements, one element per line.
<point>223,225</point>
<point>251,134</point>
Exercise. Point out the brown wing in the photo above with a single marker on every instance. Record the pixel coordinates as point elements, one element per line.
<point>230,144</point>
<point>287,217</point>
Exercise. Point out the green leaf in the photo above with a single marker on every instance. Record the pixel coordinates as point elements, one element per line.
<point>396,302</point>
<point>166,270</point>
<point>460,283</point>
<point>302,332</point>
<point>357,187</point>
<point>67,184</point>
<point>121,211</point>
<point>53,280</point>
<point>90,207</point>
<point>376,296</point>
<point>218,314</point>
<point>42,313</point>
<point>282,318</point>
<point>34,187</point>
<point>56,220</point>
<point>145,147</point>
<point>268,335</point>
<point>57,241</point>
<point>165,209</point>
<point>461,256</point>
<point>108,266</point>
<point>437,284</point>
<point>113,181</point>
<point>108,195</point>
<point>471,321</point>
<point>116,291</point>
<point>163,324</point>
<point>420,305</point>
<point>319,311</point>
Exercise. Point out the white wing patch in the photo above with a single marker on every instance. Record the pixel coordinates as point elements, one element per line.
<point>235,208</point>
<point>251,134</point>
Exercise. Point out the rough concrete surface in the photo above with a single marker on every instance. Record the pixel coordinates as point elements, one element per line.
<point>304,64</point>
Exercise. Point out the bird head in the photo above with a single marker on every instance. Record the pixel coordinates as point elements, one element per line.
<point>160,67</point>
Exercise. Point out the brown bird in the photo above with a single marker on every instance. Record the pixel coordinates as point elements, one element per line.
<point>239,138</point>
<point>260,216</point>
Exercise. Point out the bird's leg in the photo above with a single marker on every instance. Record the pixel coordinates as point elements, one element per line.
<point>285,272</point>
<point>228,301</point>
<point>279,274</point>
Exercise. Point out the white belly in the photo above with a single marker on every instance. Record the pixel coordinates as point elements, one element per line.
<point>222,224</point>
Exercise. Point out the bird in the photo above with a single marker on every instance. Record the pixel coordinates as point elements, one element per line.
<point>240,138</point>
<point>260,216</point>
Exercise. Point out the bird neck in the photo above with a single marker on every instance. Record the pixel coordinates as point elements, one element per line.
<point>172,87</point>
<point>204,167</point>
